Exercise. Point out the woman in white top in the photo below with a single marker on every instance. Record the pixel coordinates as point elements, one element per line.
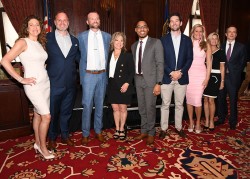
<point>30,48</point>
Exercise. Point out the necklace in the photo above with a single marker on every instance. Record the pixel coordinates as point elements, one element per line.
<point>117,55</point>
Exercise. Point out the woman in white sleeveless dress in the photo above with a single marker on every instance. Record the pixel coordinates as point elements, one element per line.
<point>30,48</point>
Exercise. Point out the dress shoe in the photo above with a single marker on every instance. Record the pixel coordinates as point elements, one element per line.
<point>180,133</point>
<point>51,145</point>
<point>85,140</point>
<point>47,157</point>
<point>217,123</point>
<point>162,135</point>
<point>68,141</point>
<point>191,128</point>
<point>100,137</point>
<point>150,140</point>
<point>116,134</point>
<point>141,136</point>
<point>123,135</point>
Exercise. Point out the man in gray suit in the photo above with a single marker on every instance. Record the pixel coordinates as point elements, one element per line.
<point>149,64</point>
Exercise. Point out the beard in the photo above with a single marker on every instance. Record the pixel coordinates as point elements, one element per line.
<point>175,29</point>
<point>94,26</point>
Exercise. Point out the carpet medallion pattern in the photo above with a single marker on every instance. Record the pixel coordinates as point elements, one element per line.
<point>222,153</point>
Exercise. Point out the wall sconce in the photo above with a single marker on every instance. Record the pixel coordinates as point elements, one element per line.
<point>107,5</point>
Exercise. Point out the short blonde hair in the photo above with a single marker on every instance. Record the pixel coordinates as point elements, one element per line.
<point>116,34</point>
<point>210,37</point>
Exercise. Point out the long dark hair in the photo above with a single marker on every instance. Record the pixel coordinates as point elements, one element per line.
<point>23,32</point>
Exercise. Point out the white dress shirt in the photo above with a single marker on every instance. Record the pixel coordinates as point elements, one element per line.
<point>232,46</point>
<point>144,41</point>
<point>64,42</point>
<point>176,42</point>
<point>92,64</point>
<point>112,66</point>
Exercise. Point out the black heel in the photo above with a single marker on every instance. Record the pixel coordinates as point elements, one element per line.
<point>123,135</point>
<point>116,134</point>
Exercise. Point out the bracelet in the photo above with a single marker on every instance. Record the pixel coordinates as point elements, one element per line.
<point>20,79</point>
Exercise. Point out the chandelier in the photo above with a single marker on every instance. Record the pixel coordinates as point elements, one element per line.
<point>107,4</point>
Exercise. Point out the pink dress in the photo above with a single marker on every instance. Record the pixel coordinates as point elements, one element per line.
<point>197,74</point>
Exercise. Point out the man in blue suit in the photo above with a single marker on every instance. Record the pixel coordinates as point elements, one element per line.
<point>63,52</point>
<point>236,61</point>
<point>94,47</point>
<point>178,57</point>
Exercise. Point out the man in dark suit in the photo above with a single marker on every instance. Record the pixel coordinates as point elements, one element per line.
<point>63,52</point>
<point>236,59</point>
<point>178,57</point>
<point>148,57</point>
<point>94,47</point>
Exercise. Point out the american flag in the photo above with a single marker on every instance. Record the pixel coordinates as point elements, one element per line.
<point>47,16</point>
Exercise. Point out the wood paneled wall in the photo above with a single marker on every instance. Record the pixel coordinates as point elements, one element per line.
<point>127,12</point>
<point>122,18</point>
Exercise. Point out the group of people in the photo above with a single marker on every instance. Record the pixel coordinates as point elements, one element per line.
<point>190,67</point>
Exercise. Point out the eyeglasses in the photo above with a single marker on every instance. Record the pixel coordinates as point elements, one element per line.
<point>142,27</point>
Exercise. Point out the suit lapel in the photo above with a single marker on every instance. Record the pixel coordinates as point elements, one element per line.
<point>172,46</point>
<point>72,46</point>
<point>56,44</point>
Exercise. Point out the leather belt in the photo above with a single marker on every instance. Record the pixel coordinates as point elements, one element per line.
<point>95,71</point>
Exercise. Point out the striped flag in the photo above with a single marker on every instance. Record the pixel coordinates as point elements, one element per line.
<point>47,17</point>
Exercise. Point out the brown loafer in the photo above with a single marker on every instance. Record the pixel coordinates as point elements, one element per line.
<point>68,141</point>
<point>150,140</point>
<point>85,140</point>
<point>100,137</point>
<point>141,136</point>
<point>51,145</point>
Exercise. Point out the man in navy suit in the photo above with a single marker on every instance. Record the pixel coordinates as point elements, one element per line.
<point>63,52</point>
<point>178,57</point>
<point>94,47</point>
<point>236,60</point>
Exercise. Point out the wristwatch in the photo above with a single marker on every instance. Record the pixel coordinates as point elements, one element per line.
<point>159,83</point>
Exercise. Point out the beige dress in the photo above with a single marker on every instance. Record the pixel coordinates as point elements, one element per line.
<point>33,60</point>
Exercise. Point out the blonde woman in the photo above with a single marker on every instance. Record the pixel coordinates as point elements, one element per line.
<point>199,74</point>
<point>216,81</point>
<point>121,72</point>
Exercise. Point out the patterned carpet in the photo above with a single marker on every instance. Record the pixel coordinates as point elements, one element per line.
<point>222,153</point>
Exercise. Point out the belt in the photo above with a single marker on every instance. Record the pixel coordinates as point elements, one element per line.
<point>95,71</point>
<point>215,71</point>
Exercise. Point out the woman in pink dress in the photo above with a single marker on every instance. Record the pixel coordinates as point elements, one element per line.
<point>199,74</point>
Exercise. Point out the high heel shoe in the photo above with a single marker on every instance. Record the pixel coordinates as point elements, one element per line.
<point>123,135</point>
<point>36,147</point>
<point>116,134</point>
<point>191,129</point>
<point>50,156</point>
<point>198,130</point>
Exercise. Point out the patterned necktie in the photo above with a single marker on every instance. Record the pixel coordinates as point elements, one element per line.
<point>97,53</point>
<point>229,52</point>
<point>139,59</point>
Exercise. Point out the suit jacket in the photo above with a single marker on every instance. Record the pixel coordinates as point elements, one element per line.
<point>152,61</point>
<point>62,71</point>
<point>83,41</point>
<point>236,63</point>
<point>184,60</point>
<point>124,71</point>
